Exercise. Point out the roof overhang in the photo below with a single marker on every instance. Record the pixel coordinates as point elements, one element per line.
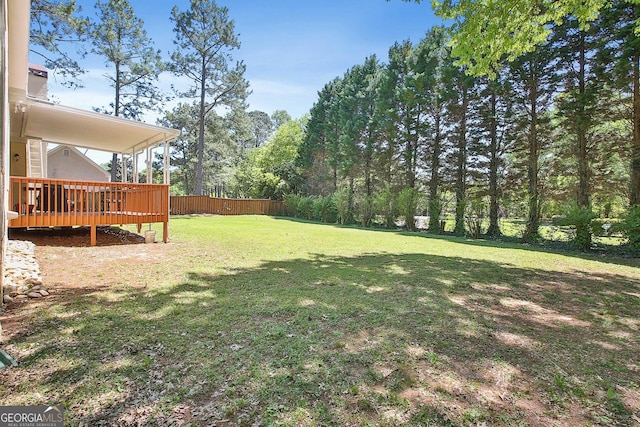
<point>37,119</point>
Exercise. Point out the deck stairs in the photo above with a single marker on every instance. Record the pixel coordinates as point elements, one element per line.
<point>36,153</point>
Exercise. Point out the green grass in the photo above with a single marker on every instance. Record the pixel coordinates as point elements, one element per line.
<point>270,321</point>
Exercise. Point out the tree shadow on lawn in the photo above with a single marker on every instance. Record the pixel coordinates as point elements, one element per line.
<point>379,338</point>
<point>591,256</point>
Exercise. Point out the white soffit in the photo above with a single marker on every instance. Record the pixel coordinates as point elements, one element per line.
<point>72,126</point>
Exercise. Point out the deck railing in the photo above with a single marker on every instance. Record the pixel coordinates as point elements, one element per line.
<point>42,202</point>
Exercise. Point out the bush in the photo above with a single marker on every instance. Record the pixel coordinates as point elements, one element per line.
<point>365,210</point>
<point>581,219</point>
<point>341,202</point>
<point>630,228</point>
<point>386,205</point>
<point>305,207</point>
<point>474,218</point>
<point>291,202</point>
<point>270,186</point>
<point>324,210</point>
<point>408,200</point>
<point>435,211</point>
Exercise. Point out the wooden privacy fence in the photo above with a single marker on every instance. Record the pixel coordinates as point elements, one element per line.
<point>184,205</point>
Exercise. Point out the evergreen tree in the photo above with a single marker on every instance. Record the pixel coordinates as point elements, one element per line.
<point>261,127</point>
<point>578,106</point>
<point>534,80</point>
<point>359,120</point>
<point>405,96</point>
<point>54,25</point>
<point>493,140</point>
<point>184,148</point>
<point>318,154</point>
<point>437,59</point>
<point>621,62</point>
<point>460,88</point>
<point>120,38</point>
<point>204,40</point>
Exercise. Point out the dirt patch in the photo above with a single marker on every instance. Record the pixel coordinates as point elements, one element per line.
<point>71,267</point>
<point>76,236</point>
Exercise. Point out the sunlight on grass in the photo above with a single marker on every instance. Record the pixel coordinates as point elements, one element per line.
<point>271,321</point>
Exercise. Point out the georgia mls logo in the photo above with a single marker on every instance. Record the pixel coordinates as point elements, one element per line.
<point>32,416</point>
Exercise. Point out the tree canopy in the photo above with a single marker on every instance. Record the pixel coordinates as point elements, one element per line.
<point>55,27</point>
<point>484,32</point>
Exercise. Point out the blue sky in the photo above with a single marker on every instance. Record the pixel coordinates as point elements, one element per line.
<point>291,48</point>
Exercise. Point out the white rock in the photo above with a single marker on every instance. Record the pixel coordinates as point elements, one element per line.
<point>21,268</point>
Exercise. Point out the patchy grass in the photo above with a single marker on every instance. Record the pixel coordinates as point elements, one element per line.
<point>270,321</point>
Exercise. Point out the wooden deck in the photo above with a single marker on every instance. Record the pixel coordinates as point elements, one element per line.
<point>62,203</point>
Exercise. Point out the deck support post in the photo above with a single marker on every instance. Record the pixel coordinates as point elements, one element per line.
<point>149,163</point>
<point>124,169</point>
<point>93,235</point>
<point>135,167</point>
<point>167,181</point>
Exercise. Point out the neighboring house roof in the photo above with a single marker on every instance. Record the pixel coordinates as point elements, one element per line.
<point>81,156</point>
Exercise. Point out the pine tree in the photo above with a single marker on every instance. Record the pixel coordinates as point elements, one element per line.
<point>120,38</point>
<point>54,25</point>
<point>534,80</point>
<point>205,37</point>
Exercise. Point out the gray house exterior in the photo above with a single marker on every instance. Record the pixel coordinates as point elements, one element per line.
<point>67,162</point>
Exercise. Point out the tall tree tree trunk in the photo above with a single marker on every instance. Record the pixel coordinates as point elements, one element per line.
<point>583,231</point>
<point>435,207</point>
<point>583,165</point>
<point>368,160</point>
<point>461,173</point>
<point>533,219</point>
<point>634,198</point>
<point>494,226</point>
<point>116,108</point>
<point>409,158</point>
<point>200,163</point>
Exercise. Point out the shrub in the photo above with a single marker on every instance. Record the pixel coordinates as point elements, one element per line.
<point>385,204</point>
<point>291,202</point>
<point>305,207</point>
<point>269,187</point>
<point>630,228</point>
<point>365,210</point>
<point>474,218</point>
<point>408,200</point>
<point>341,201</point>
<point>324,210</point>
<point>581,219</point>
<point>435,211</point>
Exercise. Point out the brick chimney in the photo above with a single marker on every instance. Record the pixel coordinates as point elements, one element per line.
<point>37,84</point>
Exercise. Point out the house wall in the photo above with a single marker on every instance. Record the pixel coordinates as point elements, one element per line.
<point>4,143</point>
<point>18,167</point>
<point>73,166</point>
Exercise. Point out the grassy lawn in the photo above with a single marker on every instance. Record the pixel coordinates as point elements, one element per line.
<point>271,321</point>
